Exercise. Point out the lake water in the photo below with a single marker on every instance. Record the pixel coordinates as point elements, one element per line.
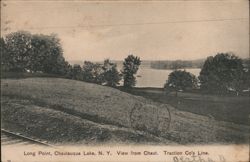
<point>155,77</point>
<point>150,77</point>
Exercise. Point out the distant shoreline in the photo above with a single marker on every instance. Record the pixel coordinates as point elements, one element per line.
<point>163,64</point>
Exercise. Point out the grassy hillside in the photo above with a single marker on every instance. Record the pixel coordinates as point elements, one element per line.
<point>227,107</point>
<point>68,111</point>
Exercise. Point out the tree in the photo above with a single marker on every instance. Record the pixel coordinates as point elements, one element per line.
<point>68,70</point>
<point>243,83</point>
<point>35,53</point>
<point>180,80</point>
<point>246,80</point>
<point>47,54</point>
<point>5,58</point>
<point>111,75</point>
<point>93,72</point>
<point>130,67</point>
<point>221,73</point>
<point>77,72</point>
<point>18,45</point>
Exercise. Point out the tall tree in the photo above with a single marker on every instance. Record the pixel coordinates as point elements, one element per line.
<point>221,73</point>
<point>111,75</point>
<point>130,67</point>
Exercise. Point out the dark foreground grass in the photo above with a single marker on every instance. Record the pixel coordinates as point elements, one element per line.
<point>59,127</point>
<point>224,108</point>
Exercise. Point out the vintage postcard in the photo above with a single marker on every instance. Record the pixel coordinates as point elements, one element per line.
<point>114,80</point>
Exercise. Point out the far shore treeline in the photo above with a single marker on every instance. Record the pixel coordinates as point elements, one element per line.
<point>182,64</point>
<point>177,64</point>
<point>23,52</point>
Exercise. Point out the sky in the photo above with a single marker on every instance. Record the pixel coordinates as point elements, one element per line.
<point>152,30</point>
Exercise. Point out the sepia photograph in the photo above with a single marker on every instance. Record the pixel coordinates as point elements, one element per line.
<point>110,80</point>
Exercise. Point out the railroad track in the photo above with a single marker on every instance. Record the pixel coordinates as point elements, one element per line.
<point>12,138</point>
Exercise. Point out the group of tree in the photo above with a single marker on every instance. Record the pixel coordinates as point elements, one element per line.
<point>37,53</point>
<point>103,74</point>
<point>220,74</point>
<point>107,73</point>
<point>22,51</point>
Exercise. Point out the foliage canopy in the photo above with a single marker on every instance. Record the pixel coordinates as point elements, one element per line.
<point>180,80</point>
<point>23,51</point>
<point>221,73</point>
<point>130,67</point>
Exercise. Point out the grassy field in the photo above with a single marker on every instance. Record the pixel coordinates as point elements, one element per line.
<point>225,108</point>
<point>67,111</point>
